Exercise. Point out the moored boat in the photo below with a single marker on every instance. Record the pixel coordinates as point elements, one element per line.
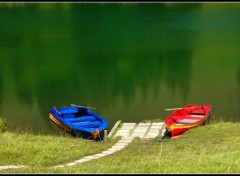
<point>79,121</point>
<point>183,119</point>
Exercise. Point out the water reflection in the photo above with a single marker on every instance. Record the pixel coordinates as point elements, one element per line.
<point>129,61</point>
<point>238,79</point>
<point>238,75</point>
<point>180,63</point>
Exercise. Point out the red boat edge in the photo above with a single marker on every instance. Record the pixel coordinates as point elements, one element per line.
<point>182,120</point>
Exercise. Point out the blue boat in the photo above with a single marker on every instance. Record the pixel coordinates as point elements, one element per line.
<point>79,121</point>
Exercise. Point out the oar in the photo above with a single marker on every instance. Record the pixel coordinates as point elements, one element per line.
<point>82,106</point>
<point>56,110</point>
<point>171,109</point>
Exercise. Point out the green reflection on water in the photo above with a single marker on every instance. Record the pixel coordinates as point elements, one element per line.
<point>130,61</point>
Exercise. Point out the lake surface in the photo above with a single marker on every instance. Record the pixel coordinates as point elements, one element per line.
<point>130,61</point>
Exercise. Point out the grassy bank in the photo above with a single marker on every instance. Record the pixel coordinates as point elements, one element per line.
<point>3,125</point>
<point>213,148</point>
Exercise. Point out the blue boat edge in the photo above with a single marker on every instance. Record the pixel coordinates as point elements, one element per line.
<point>91,128</point>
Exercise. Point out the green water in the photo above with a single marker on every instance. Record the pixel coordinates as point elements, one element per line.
<point>128,60</point>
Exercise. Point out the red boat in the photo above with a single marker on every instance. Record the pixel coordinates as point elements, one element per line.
<point>183,119</point>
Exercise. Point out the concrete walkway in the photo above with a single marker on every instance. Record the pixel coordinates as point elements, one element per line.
<point>141,130</point>
<point>127,132</point>
<point>12,167</point>
<point>118,146</point>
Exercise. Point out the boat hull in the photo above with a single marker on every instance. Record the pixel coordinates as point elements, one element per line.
<point>185,119</point>
<point>79,121</point>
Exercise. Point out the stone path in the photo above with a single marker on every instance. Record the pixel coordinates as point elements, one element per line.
<point>118,146</point>
<point>11,167</point>
<point>141,130</point>
<point>127,132</point>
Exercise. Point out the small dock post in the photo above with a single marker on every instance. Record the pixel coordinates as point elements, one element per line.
<point>105,134</point>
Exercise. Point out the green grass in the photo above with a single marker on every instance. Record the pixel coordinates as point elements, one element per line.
<point>213,148</point>
<point>43,150</point>
<point>3,125</point>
